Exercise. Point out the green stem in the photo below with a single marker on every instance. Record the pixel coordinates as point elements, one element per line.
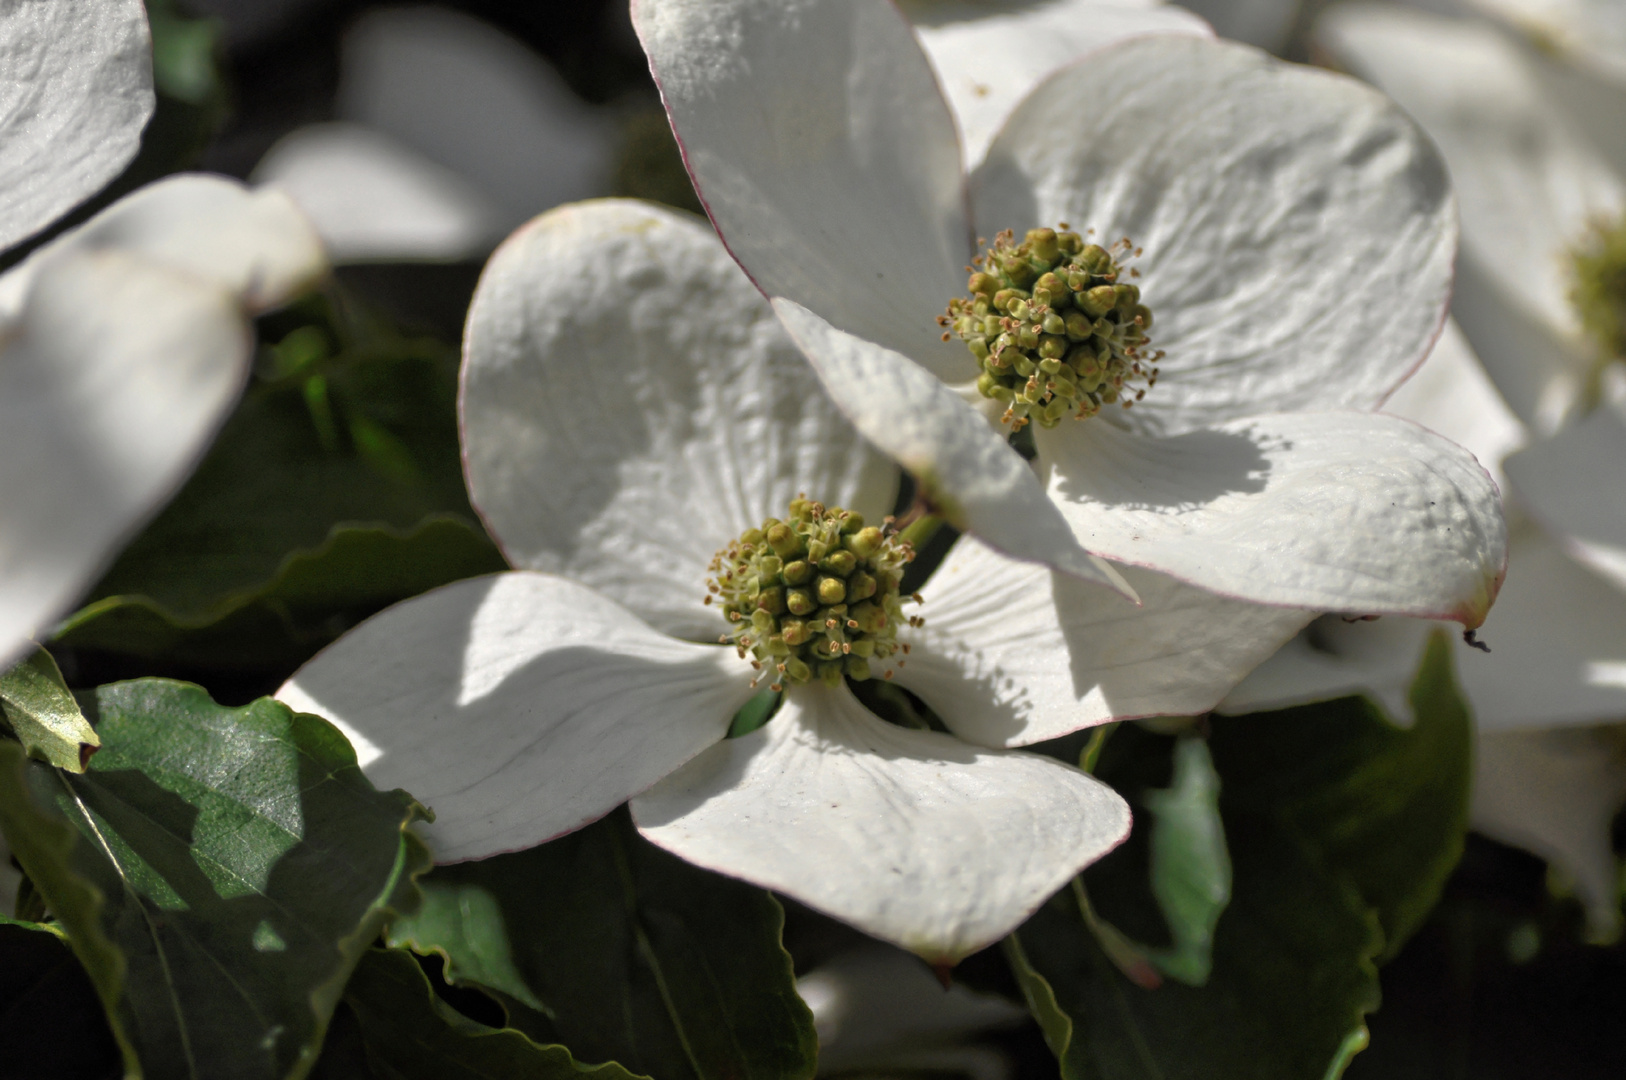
<point>919,532</point>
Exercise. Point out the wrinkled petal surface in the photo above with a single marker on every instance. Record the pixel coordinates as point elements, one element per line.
<point>1338,511</point>
<point>1556,793</point>
<point>75,92</point>
<point>478,102</point>
<point>1575,484</point>
<point>114,376</point>
<point>967,472</point>
<point>988,57</point>
<point>1528,184</point>
<point>1013,653</point>
<point>630,404</point>
<point>911,836</point>
<point>1558,652</point>
<point>372,197</point>
<point>1297,227</point>
<point>518,706</point>
<point>826,156</point>
<point>254,244</point>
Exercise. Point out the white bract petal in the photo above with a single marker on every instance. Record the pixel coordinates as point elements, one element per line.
<point>518,706</point>
<point>1556,793</point>
<point>1452,396</point>
<point>1265,23</point>
<point>1558,653</point>
<point>123,344</point>
<point>988,58</point>
<point>1353,512</point>
<point>911,836</point>
<point>1575,484</point>
<point>254,244</point>
<point>478,102</point>
<point>967,473</point>
<point>1529,185</point>
<point>75,92</point>
<point>630,404</point>
<point>825,156</point>
<point>1012,653</point>
<point>1592,31</point>
<point>114,376</point>
<point>1297,228</point>
<point>372,197</point>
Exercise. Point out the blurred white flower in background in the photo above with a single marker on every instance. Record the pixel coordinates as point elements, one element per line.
<point>450,134</point>
<point>1535,187</point>
<point>125,341</point>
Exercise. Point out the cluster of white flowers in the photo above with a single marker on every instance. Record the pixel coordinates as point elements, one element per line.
<point>641,392</point>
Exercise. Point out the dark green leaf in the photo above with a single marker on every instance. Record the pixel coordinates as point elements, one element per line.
<point>315,595</point>
<point>334,490</point>
<point>633,955</point>
<point>1191,871</point>
<point>51,1022</point>
<point>410,1034</point>
<point>219,871</point>
<point>1341,830</point>
<point>41,711</point>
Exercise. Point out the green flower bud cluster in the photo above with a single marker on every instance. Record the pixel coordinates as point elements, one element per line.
<point>1055,326</point>
<point>1599,287</point>
<point>814,595</point>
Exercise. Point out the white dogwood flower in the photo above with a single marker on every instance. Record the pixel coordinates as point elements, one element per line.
<point>635,422</point>
<point>123,345</point>
<point>1292,232</point>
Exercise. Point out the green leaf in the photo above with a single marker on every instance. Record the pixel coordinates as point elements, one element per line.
<point>410,1034</point>
<point>218,871</point>
<point>51,1022</point>
<point>634,955</point>
<point>315,595</point>
<point>1191,871</point>
<point>1341,830</point>
<point>40,709</point>
<point>334,490</point>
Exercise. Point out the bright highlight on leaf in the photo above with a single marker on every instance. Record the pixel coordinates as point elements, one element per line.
<point>41,711</point>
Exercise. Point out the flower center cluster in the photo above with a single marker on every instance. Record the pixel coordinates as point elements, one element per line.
<point>1599,289</point>
<point>813,596</point>
<point>1055,327</point>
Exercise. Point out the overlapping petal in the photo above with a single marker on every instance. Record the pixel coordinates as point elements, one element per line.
<point>75,92</point>
<point>912,836</point>
<point>121,350</point>
<point>518,706</point>
<point>1593,31</point>
<point>254,244</point>
<point>825,155</point>
<point>1013,653</point>
<point>1297,227</point>
<point>1575,484</point>
<point>966,471</point>
<point>987,58</point>
<point>1353,512</point>
<point>1558,652</point>
<point>1527,181</point>
<point>630,404</point>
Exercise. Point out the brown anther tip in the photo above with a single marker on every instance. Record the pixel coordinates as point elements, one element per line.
<point>905,650</point>
<point>776,687</point>
<point>946,335</point>
<point>888,675</point>
<point>707,600</point>
<point>852,624</point>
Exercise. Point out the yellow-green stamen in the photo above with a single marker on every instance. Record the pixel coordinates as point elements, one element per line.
<point>1056,327</point>
<point>1599,287</point>
<point>814,595</point>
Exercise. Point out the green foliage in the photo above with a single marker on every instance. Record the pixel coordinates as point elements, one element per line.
<point>218,871</point>
<point>625,954</point>
<point>405,1032</point>
<point>1191,870</point>
<point>39,708</point>
<point>1341,830</point>
<point>334,490</point>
